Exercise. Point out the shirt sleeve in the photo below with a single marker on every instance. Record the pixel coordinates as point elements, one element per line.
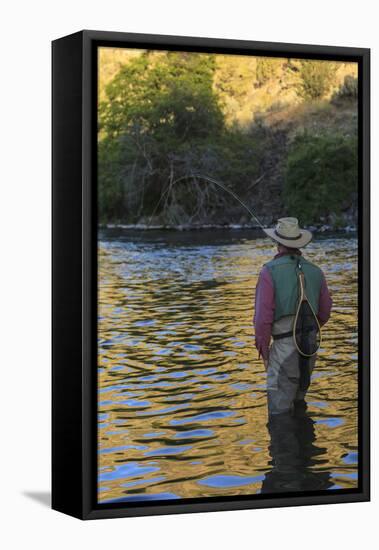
<point>325,303</point>
<point>264,312</point>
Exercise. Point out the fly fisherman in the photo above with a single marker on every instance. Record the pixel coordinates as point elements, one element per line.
<point>279,302</point>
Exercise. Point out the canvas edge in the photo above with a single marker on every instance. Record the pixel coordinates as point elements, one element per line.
<point>86,508</point>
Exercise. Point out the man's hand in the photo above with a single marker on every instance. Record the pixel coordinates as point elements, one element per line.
<point>265,362</point>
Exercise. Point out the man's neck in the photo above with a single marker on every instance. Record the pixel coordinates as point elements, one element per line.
<point>288,251</point>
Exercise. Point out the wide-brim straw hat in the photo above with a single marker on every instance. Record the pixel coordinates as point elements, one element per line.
<point>288,233</point>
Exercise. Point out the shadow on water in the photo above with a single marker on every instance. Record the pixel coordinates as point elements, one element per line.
<point>294,456</point>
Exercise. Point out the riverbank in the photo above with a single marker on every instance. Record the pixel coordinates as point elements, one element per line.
<point>324,228</point>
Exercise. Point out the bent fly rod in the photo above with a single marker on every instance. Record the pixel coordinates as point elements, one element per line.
<point>211,180</point>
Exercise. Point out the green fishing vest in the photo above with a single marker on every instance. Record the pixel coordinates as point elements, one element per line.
<point>284,273</point>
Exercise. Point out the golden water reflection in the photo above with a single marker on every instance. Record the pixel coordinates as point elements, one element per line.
<point>182,398</point>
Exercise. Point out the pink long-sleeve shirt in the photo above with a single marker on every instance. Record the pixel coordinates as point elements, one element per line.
<point>265,308</point>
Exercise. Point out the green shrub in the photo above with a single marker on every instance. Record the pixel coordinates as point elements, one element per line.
<point>316,78</point>
<point>266,69</point>
<point>321,176</point>
<point>348,90</point>
<point>153,115</point>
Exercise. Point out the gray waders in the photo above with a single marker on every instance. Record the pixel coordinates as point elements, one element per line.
<point>288,373</point>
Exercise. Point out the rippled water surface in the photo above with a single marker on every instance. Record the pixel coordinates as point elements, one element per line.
<point>182,394</point>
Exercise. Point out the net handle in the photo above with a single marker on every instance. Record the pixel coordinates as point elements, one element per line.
<point>303,298</point>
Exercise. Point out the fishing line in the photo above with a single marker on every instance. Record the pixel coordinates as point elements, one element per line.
<point>206,178</point>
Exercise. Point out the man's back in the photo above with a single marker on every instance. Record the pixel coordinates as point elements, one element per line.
<point>277,293</point>
<point>284,271</point>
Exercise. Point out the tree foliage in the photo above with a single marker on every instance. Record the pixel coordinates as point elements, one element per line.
<point>321,176</point>
<point>316,78</point>
<point>162,126</point>
<point>162,122</point>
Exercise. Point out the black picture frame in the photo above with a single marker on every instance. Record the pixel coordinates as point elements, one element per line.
<point>74,272</point>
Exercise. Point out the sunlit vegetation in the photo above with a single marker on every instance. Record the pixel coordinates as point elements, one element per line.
<point>169,116</point>
<point>316,78</point>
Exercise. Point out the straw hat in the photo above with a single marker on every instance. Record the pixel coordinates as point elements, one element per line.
<point>288,233</point>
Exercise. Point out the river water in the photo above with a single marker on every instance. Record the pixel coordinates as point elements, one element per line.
<point>182,394</point>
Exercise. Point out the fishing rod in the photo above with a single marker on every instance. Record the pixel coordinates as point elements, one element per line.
<point>206,178</point>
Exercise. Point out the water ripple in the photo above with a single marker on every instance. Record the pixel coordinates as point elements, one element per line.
<point>182,394</point>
